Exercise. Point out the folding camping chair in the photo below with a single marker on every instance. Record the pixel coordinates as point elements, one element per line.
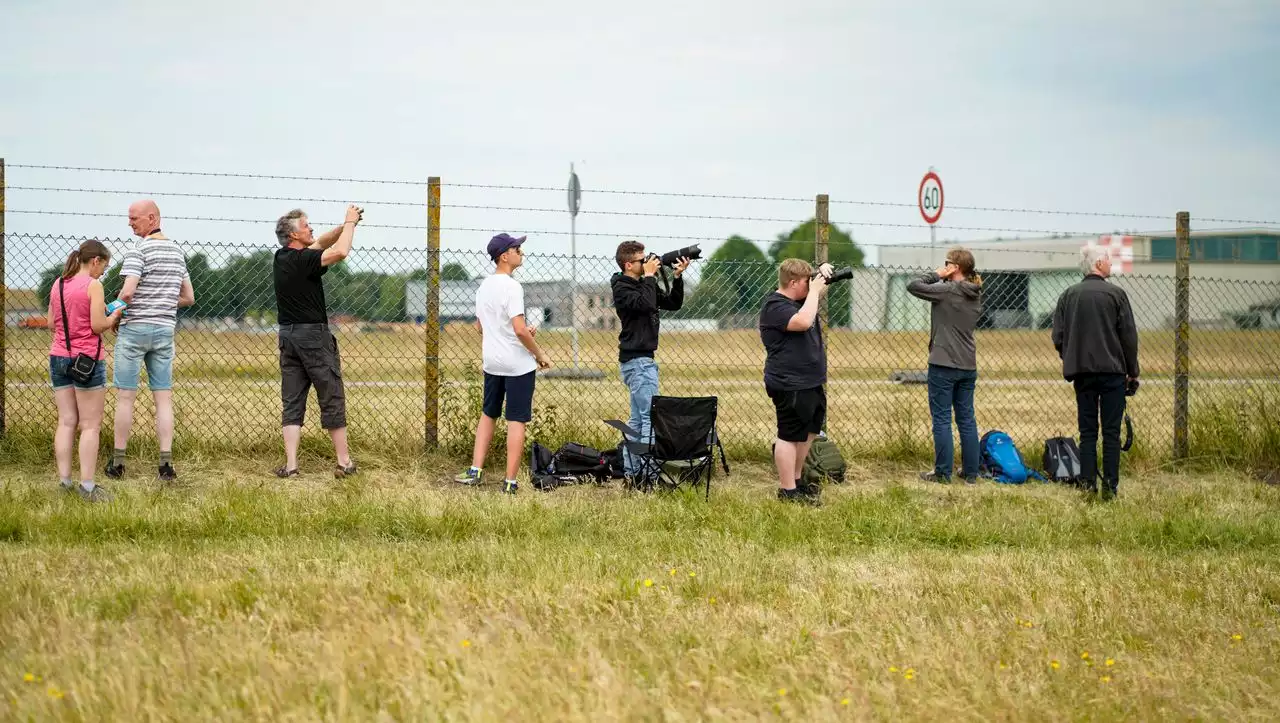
<point>682,433</point>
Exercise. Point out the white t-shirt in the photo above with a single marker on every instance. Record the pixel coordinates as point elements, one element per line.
<point>499,300</point>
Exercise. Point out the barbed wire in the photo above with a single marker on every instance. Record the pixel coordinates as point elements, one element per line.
<point>420,227</point>
<point>629,192</point>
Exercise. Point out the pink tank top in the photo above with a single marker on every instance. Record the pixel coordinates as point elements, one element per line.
<point>83,340</point>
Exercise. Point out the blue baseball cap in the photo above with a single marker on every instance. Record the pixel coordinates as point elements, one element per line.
<point>502,243</point>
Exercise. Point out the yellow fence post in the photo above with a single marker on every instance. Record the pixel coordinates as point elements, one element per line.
<point>1182,337</point>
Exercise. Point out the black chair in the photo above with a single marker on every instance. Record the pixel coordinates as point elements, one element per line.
<point>682,432</point>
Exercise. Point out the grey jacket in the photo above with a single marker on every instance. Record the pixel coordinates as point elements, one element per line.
<point>956,308</point>
<point>1094,330</point>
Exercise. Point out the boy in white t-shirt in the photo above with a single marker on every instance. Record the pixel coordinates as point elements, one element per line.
<point>511,360</point>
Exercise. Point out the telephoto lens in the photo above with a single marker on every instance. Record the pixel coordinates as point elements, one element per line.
<point>843,273</point>
<point>688,252</point>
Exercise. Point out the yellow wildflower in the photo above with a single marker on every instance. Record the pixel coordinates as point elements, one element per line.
<point>648,582</point>
<point>466,643</point>
<point>1054,664</point>
<point>844,701</point>
<point>1110,662</point>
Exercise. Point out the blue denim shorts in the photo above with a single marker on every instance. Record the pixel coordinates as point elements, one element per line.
<point>149,345</point>
<point>58,378</point>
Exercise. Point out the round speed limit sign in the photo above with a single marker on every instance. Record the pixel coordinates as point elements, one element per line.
<point>930,198</point>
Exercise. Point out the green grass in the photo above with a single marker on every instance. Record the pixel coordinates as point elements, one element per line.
<point>399,595</point>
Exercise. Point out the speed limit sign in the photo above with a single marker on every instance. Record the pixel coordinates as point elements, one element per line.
<point>930,198</point>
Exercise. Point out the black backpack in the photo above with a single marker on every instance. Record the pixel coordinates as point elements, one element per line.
<point>1062,460</point>
<point>571,464</point>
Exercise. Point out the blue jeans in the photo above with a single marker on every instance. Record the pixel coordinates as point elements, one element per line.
<point>953,388</point>
<point>641,377</point>
<point>149,345</point>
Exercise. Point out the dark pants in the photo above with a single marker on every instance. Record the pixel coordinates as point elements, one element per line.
<point>309,357</point>
<point>1100,394</point>
<point>951,388</point>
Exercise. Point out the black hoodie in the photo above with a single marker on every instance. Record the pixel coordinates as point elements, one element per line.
<point>637,302</point>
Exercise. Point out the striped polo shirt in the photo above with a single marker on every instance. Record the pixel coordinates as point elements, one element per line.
<point>161,268</point>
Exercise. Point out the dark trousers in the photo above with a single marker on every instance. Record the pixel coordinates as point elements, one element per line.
<point>1100,395</point>
<point>951,388</point>
<point>309,357</point>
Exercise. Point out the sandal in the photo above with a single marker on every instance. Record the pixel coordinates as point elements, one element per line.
<point>347,471</point>
<point>283,473</point>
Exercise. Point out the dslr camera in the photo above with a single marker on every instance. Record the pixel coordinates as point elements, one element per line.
<point>671,257</point>
<point>843,273</point>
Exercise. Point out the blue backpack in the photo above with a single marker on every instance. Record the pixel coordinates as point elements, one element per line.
<point>1001,460</point>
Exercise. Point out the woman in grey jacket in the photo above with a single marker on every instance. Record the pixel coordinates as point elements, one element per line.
<point>955,293</point>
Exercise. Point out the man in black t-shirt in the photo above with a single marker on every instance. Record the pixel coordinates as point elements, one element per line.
<point>795,370</point>
<point>308,351</point>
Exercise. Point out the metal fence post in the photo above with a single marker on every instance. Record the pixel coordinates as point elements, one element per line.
<point>431,361</point>
<point>4,321</point>
<point>821,237</point>
<point>1182,336</point>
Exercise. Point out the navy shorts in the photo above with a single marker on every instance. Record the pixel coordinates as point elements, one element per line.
<point>517,390</point>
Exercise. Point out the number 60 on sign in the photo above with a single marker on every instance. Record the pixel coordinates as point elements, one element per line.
<point>930,198</point>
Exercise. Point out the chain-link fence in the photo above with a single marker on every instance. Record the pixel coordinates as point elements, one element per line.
<point>227,376</point>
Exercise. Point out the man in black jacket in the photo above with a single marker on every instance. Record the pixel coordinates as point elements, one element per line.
<point>637,297</point>
<point>1097,339</point>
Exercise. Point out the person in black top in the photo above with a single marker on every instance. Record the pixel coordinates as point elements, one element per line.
<point>308,351</point>
<point>637,297</point>
<point>795,370</point>
<point>1097,340</point>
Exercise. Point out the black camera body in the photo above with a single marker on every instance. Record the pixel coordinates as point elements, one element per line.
<point>671,257</point>
<point>841,274</point>
<point>1130,387</point>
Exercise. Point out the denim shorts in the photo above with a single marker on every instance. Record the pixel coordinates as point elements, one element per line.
<point>139,345</point>
<point>58,367</point>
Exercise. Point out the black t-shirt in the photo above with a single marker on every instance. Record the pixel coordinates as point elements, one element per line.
<point>299,290</point>
<point>793,359</point>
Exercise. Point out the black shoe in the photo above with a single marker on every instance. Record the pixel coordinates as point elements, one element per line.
<point>339,472</point>
<point>932,476</point>
<point>1109,491</point>
<point>796,496</point>
<point>114,471</point>
<point>167,473</point>
<point>971,480</point>
<point>284,473</point>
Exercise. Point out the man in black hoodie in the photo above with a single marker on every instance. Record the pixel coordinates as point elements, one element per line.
<point>1097,339</point>
<point>637,297</point>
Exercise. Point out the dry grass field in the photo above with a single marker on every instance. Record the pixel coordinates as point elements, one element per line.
<point>398,596</point>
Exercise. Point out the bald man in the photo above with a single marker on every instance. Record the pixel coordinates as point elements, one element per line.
<point>156,283</point>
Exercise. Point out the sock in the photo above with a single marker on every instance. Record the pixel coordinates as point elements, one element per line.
<point>117,458</point>
<point>166,458</point>
<point>511,482</point>
<point>474,469</point>
<point>87,485</point>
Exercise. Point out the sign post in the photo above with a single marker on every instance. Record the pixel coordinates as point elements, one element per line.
<point>575,204</point>
<point>929,198</point>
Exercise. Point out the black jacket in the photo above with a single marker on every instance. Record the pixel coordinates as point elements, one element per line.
<point>637,302</point>
<point>1094,331</point>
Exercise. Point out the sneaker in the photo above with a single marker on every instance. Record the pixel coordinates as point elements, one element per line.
<point>469,477</point>
<point>167,473</point>
<point>97,494</point>
<point>932,476</point>
<point>68,487</point>
<point>971,480</point>
<point>340,472</point>
<point>114,471</point>
<point>509,487</point>
<point>796,496</point>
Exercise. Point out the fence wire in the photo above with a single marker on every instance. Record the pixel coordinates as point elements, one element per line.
<point>227,376</point>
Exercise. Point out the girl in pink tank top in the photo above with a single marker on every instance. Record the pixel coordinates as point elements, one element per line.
<point>77,315</point>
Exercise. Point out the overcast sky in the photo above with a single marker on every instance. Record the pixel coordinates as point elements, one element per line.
<point>1115,106</point>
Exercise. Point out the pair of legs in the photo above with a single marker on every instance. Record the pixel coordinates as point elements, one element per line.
<point>138,346</point>
<point>518,393</point>
<point>1100,396</point>
<point>79,410</point>
<point>952,389</point>
<point>801,415</point>
<point>641,377</point>
<point>309,358</point>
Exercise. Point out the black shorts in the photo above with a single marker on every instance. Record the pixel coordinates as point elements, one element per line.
<point>309,358</point>
<point>800,413</point>
<point>517,390</point>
